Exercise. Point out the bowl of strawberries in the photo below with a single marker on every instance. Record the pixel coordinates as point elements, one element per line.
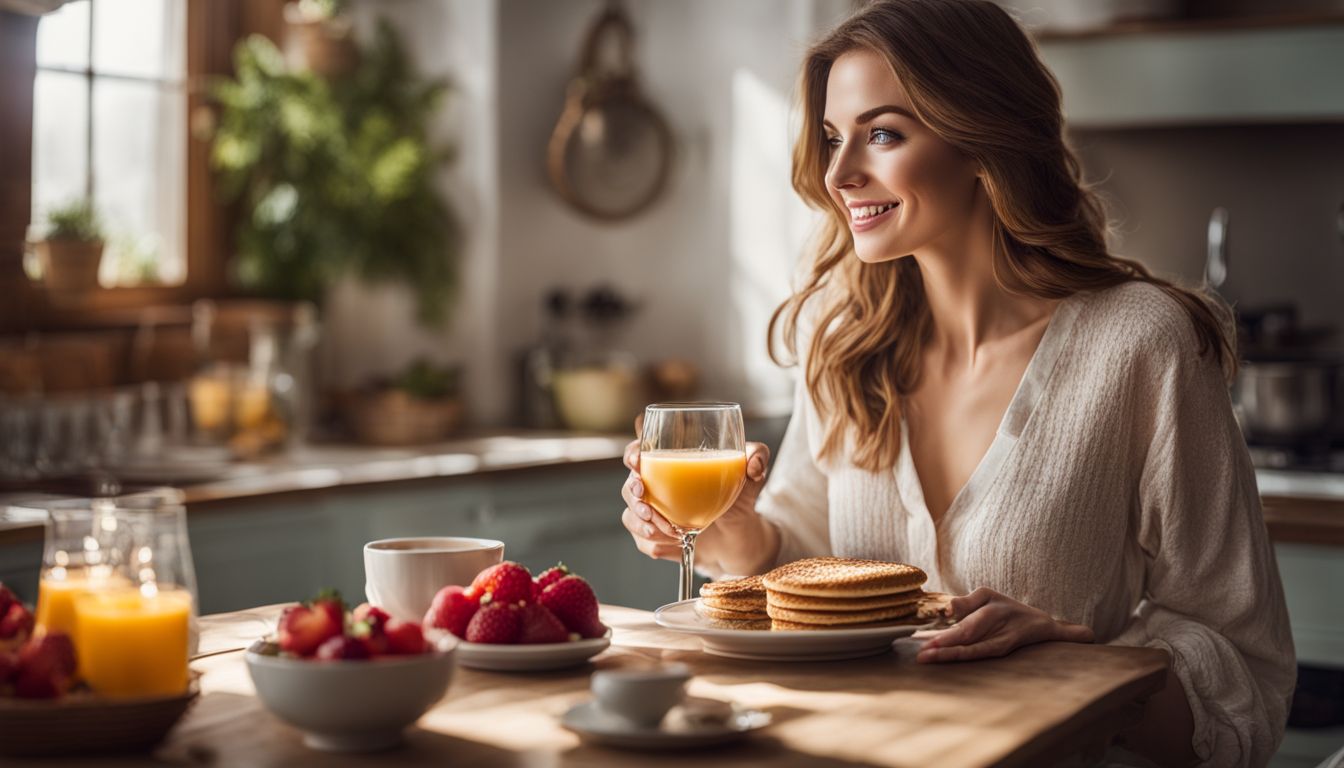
<point>510,621</point>
<point>352,681</point>
<point>42,701</point>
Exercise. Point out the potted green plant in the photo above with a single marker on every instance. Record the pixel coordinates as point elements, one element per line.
<point>418,405</point>
<point>318,38</point>
<point>335,177</point>
<point>72,249</point>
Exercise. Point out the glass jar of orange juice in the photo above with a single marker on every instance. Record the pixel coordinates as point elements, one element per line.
<point>135,639</point>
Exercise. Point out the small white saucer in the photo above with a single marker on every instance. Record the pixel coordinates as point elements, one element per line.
<point>677,731</point>
<point>530,658</point>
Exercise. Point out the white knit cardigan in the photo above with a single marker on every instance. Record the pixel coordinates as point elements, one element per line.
<point>1117,493</point>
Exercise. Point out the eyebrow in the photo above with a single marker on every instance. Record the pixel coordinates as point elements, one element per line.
<point>874,112</point>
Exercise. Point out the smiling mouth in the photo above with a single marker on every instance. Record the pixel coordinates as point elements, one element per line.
<point>868,213</point>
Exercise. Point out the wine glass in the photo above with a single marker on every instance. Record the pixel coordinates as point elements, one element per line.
<point>693,463</point>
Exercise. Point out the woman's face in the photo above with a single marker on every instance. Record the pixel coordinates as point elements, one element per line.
<point>903,189</point>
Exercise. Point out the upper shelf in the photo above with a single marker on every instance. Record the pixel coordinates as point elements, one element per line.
<point>1199,74</point>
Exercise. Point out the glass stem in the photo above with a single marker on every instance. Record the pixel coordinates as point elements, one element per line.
<point>687,565</point>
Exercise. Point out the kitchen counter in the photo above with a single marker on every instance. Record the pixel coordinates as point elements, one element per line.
<point>1038,705</point>
<point>1303,507</point>
<point>307,469</point>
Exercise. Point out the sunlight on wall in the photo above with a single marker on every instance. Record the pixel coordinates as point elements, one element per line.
<point>769,226</point>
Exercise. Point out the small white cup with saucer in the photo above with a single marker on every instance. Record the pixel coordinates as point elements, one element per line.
<point>648,709</point>
<point>641,697</point>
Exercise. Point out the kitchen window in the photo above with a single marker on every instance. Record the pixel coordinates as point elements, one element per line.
<point>110,125</point>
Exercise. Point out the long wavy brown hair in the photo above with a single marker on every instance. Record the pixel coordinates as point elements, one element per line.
<point>975,79</point>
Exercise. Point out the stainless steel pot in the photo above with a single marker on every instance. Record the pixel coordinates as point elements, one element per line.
<point>1286,402</point>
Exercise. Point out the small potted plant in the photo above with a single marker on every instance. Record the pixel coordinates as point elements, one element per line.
<point>419,405</point>
<point>72,249</point>
<point>320,38</point>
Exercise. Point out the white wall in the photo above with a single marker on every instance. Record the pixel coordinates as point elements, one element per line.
<point>709,261</point>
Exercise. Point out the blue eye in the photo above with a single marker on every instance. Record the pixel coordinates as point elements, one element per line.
<point>884,136</point>
<point>832,142</point>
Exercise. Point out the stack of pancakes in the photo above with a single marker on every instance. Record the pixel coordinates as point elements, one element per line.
<point>841,593</point>
<point>818,593</point>
<point>738,604</point>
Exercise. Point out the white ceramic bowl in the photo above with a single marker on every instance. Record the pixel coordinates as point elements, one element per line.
<point>352,706</point>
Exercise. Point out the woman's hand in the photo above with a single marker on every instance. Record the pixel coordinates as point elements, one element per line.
<point>732,543</point>
<point>990,624</point>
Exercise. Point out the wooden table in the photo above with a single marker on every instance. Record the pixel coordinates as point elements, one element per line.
<point>1039,705</point>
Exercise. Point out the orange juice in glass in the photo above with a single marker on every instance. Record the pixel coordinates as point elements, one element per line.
<point>133,642</point>
<point>57,590</point>
<point>693,463</point>
<point>692,488</point>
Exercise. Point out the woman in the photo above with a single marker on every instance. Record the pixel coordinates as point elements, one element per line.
<point>990,395</point>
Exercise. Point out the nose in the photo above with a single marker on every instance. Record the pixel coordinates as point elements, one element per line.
<point>846,169</point>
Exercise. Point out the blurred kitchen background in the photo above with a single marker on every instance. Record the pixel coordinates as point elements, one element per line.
<point>348,270</point>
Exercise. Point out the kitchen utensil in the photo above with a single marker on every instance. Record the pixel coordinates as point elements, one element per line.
<point>1215,271</point>
<point>611,151</point>
<point>1286,402</point>
<point>1284,394</point>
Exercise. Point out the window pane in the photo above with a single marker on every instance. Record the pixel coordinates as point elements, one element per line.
<point>139,174</point>
<point>144,38</point>
<point>60,151</point>
<point>63,37</point>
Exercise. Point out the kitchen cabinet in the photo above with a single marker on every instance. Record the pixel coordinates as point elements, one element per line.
<point>1182,76</point>
<point>287,548</point>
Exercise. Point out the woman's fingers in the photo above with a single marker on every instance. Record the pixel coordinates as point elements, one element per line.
<point>632,492</point>
<point>758,461</point>
<point>631,457</point>
<point>961,607</point>
<point>1075,633</point>
<point>648,539</point>
<point>969,630</point>
<point>998,645</point>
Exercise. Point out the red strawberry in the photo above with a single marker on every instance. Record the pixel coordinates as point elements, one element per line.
<point>16,626</point>
<point>329,602</point>
<point>6,598</point>
<point>452,609</point>
<point>573,602</point>
<point>372,615</point>
<point>46,667</point>
<point>405,638</point>
<point>340,648</point>
<point>549,577</point>
<point>304,628</point>
<point>507,582</point>
<point>497,623</point>
<point>540,626</point>
<point>368,623</point>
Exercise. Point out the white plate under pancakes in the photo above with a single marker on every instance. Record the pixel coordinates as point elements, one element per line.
<point>771,645</point>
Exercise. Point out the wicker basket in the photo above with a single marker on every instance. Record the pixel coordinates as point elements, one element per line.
<point>394,417</point>
<point>86,724</point>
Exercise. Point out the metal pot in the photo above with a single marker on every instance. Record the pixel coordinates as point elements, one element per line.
<point>1286,402</point>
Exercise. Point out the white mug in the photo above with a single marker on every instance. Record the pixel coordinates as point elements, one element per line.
<point>401,576</point>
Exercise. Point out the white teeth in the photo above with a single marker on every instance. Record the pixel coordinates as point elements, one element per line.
<point>869,211</point>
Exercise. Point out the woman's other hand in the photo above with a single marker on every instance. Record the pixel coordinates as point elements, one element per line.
<point>736,533</point>
<point>990,624</point>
